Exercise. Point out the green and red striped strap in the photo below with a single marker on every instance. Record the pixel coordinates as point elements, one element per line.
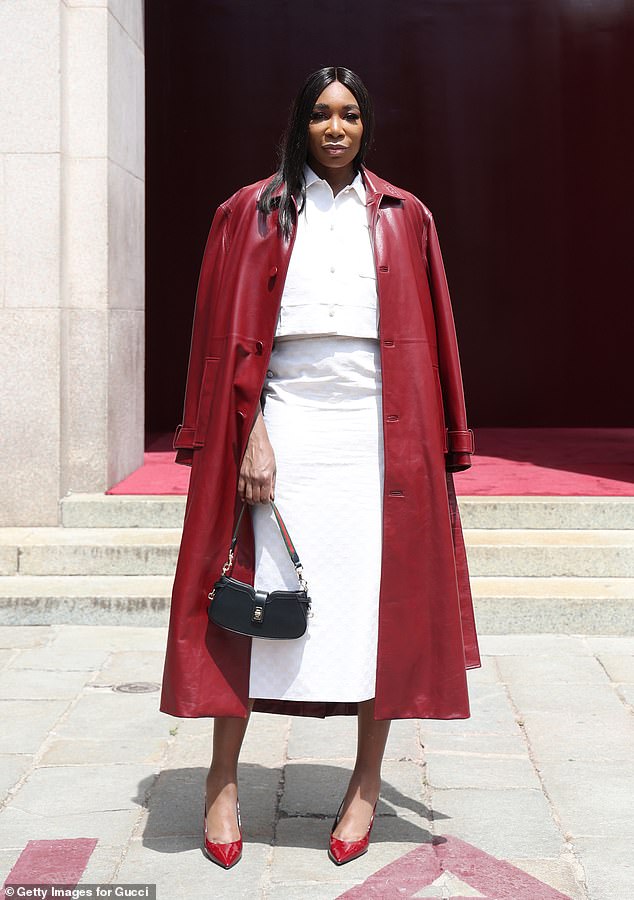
<point>292,552</point>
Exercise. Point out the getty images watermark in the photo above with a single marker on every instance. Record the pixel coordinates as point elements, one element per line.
<point>77,891</point>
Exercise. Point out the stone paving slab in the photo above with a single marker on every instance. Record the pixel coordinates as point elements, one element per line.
<point>12,767</point>
<point>608,869</point>
<point>28,723</point>
<point>59,659</point>
<point>545,670</point>
<point>132,665</point>
<point>619,668</point>
<point>541,775</point>
<point>103,864</point>
<point>302,844</point>
<point>560,873</point>
<point>15,636</point>
<point>38,684</point>
<point>610,644</point>
<point>531,645</point>
<point>109,637</point>
<point>473,744</point>
<point>626,692</point>
<point>164,861</point>
<point>504,822</point>
<point>491,711</point>
<point>446,770</point>
<point>110,715</point>
<point>6,656</point>
<point>17,827</point>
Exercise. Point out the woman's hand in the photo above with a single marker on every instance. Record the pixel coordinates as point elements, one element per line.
<point>257,472</point>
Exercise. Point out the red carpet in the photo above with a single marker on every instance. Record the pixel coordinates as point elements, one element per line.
<point>577,462</point>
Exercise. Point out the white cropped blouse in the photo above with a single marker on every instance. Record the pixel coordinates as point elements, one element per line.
<point>330,286</point>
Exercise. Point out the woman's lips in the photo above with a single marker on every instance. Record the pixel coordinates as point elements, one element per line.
<point>335,150</point>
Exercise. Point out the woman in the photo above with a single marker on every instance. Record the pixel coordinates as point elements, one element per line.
<point>323,374</point>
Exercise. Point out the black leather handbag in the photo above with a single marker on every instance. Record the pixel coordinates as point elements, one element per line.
<point>238,607</point>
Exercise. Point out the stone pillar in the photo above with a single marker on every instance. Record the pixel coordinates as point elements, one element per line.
<point>72,146</point>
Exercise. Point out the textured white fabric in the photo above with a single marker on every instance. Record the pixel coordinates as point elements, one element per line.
<point>330,287</point>
<point>323,416</point>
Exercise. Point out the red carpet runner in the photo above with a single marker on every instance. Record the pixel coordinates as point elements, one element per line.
<point>571,462</point>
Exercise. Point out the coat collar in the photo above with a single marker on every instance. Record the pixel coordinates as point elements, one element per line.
<point>375,187</point>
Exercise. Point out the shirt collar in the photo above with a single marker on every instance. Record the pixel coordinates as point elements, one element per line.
<point>311,177</point>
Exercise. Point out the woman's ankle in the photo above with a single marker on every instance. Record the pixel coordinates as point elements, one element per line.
<point>220,795</point>
<point>366,785</point>
<point>219,778</point>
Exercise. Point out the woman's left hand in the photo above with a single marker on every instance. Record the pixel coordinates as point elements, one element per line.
<point>257,472</point>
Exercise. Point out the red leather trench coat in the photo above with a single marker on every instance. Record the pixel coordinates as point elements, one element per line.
<point>426,637</point>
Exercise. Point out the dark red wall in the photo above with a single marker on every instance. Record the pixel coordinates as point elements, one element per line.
<point>512,120</point>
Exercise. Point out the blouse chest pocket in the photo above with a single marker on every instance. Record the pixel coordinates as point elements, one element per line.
<point>363,253</point>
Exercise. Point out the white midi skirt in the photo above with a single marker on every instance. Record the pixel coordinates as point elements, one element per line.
<point>324,420</point>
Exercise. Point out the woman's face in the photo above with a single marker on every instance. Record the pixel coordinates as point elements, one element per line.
<point>335,128</point>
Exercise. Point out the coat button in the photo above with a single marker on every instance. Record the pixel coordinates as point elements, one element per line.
<point>269,373</point>
<point>272,271</point>
<point>259,346</point>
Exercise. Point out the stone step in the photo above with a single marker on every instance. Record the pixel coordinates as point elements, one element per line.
<point>552,552</point>
<point>502,605</point>
<point>85,599</point>
<point>154,551</point>
<point>558,605</point>
<point>603,513</point>
<point>122,511</point>
<point>146,511</point>
<point>88,551</point>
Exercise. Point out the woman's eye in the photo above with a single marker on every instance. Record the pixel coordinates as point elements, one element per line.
<point>316,115</point>
<point>353,117</point>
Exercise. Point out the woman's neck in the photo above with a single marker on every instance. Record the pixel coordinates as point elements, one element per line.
<point>337,178</point>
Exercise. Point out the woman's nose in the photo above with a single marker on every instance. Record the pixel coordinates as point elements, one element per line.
<point>335,126</point>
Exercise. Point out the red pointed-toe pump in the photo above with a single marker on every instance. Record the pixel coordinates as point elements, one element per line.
<point>341,852</point>
<point>224,854</point>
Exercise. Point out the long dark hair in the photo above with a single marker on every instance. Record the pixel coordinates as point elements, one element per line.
<point>294,143</point>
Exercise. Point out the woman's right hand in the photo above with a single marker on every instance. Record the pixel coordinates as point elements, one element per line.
<point>256,483</point>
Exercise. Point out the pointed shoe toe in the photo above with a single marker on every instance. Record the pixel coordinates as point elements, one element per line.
<point>341,851</point>
<point>225,854</point>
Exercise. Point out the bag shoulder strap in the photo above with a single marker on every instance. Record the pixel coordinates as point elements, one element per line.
<point>290,547</point>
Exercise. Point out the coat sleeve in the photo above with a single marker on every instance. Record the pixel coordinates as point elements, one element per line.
<point>206,292</point>
<point>460,438</point>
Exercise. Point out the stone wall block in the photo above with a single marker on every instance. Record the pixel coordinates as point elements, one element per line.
<point>32,231</point>
<point>126,239</point>
<point>130,17</point>
<point>126,394</point>
<point>29,436</point>
<point>29,77</point>
<point>85,230</point>
<point>85,83</point>
<point>126,100</point>
<point>84,399</point>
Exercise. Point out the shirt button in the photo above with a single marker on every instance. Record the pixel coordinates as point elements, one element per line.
<point>332,226</point>
<point>332,268</point>
<point>331,311</point>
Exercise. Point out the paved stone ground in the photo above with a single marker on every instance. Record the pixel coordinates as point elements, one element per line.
<point>541,776</point>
